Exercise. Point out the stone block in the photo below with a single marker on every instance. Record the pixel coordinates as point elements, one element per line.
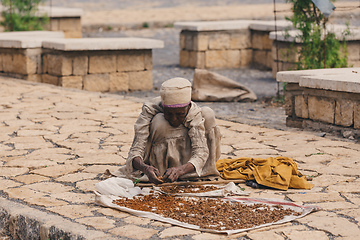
<point>260,58</point>
<point>23,64</point>
<point>71,82</point>
<point>141,80</point>
<point>189,41</point>
<point>148,59</point>
<point>344,112</point>
<point>201,42</point>
<point>275,68</point>
<point>1,62</point>
<point>182,41</point>
<point>130,61</point>
<point>80,65</point>
<point>72,34</point>
<point>184,58</point>
<point>34,78</point>
<point>261,40</point>
<point>97,82</point>
<point>246,57</point>
<point>353,63</point>
<point>357,115</point>
<point>119,82</point>
<point>54,80</point>
<point>301,107</point>
<point>286,52</point>
<point>269,60</point>
<point>7,65</point>
<point>102,64</point>
<point>222,59</point>
<point>240,40</point>
<point>70,24</point>
<point>196,59</point>
<point>58,65</point>
<point>44,64</point>
<point>256,40</point>
<point>219,41</point>
<point>321,109</point>
<point>289,105</point>
<point>54,24</point>
<point>353,49</point>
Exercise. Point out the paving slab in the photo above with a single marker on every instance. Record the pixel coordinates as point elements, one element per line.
<point>49,168</point>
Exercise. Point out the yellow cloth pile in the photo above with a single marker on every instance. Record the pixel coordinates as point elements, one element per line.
<point>280,172</point>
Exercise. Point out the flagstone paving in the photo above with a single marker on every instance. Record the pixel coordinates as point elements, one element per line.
<point>56,143</point>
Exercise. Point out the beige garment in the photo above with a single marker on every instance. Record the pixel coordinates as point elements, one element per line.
<point>196,141</point>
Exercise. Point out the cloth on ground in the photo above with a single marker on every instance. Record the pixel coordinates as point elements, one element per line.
<point>213,87</point>
<point>280,172</point>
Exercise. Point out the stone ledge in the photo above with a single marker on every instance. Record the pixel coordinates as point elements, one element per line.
<point>27,39</point>
<point>29,223</point>
<point>270,25</point>
<point>91,44</point>
<point>296,76</point>
<point>347,82</point>
<point>22,42</point>
<point>257,25</point>
<point>214,25</point>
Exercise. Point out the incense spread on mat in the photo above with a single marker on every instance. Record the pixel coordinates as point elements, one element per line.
<point>207,213</point>
<point>188,189</point>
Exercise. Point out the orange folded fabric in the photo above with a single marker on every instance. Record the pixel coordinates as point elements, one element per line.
<point>279,172</point>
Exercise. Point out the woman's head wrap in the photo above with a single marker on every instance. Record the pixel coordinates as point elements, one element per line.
<point>175,92</point>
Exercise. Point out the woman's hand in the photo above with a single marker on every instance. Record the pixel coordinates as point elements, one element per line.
<point>151,172</point>
<point>172,174</point>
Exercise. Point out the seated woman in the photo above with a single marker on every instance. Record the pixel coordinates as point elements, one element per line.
<point>174,138</point>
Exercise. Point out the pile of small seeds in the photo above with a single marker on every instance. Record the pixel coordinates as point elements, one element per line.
<point>188,189</point>
<point>207,213</point>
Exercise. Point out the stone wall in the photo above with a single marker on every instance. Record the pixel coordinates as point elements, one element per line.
<point>102,71</point>
<point>94,64</point>
<point>20,53</point>
<point>21,63</point>
<point>220,49</point>
<point>227,44</point>
<point>325,99</point>
<point>249,43</point>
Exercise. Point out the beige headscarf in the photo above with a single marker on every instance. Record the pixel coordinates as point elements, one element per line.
<point>175,92</point>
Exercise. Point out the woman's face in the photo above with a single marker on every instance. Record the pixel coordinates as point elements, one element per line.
<point>176,116</point>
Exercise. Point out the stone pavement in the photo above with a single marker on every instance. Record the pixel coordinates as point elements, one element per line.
<point>55,143</point>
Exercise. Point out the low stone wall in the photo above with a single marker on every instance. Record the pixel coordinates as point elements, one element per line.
<point>94,64</point>
<point>20,53</point>
<point>242,43</point>
<point>99,64</point>
<point>227,44</point>
<point>323,99</point>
